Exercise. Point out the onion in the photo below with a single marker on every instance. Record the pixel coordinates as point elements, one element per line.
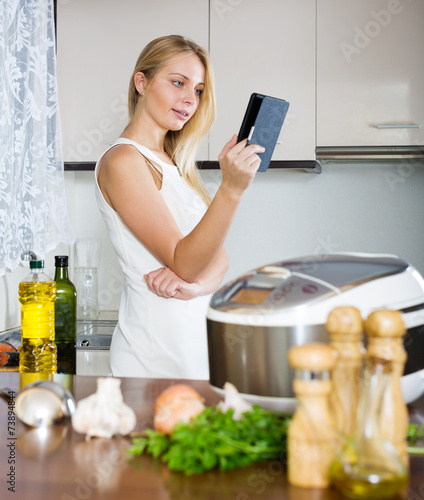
<point>177,410</point>
<point>176,391</point>
<point>177,403</point>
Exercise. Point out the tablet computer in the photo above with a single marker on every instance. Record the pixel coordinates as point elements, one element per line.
<point>262,124</point>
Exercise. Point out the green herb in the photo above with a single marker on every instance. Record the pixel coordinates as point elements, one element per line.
<point>214,440</point>
<point>415,434</point>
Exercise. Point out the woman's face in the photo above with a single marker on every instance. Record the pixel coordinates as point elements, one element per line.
<point>173,96</point>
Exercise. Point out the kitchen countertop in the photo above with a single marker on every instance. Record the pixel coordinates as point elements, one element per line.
<point>59,464</point>
<point>98,332</point>
<point>93,344</point>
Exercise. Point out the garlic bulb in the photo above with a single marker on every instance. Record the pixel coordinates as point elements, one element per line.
<point>104,413</point>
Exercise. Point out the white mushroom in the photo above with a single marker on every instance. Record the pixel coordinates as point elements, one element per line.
<point>232,399</point>
<point>104,413</point>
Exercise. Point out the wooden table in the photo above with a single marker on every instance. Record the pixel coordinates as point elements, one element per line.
<point>59,464</point>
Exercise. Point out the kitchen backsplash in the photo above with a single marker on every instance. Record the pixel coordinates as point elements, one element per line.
<point>348,207</point>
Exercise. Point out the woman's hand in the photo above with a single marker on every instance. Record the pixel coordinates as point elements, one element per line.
<point>239,163</point>
<point>165,283</point>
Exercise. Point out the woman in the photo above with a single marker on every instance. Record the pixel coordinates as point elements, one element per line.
<point>166,232</point>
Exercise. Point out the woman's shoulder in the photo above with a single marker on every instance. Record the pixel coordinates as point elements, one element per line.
<point>121,163</point>
<point>121,169</point>
<point>122,154</point>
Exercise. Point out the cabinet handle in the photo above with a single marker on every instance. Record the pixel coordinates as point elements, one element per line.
<point>412,125</point>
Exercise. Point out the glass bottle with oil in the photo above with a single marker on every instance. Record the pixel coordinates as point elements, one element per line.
<point>37,294</point>
<point>65,317</point>
<point>369,467</point>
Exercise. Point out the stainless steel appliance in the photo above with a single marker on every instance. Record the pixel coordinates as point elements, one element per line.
<point>254,320</point>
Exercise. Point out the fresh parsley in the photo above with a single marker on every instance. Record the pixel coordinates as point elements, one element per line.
<point>415,434</point>
<point>214,439</point>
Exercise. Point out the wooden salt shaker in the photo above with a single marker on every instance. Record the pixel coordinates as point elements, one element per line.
<point>385,332</point>
<point>345,327</point>
<point>310,432</point>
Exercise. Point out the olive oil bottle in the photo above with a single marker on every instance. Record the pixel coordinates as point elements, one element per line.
<point>65,317</point>
<point>369,467</point>
<point>37,294</point>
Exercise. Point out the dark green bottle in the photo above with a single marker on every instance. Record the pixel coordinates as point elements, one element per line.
<point>65,317</point>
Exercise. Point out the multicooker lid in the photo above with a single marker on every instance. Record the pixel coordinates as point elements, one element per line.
<point>320,283</point>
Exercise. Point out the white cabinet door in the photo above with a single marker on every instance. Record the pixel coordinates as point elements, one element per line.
<point>98,43</point>
<point>370,72</point>
<point>266,47</point>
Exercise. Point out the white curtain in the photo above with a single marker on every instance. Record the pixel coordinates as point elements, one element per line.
<point>33,211</point>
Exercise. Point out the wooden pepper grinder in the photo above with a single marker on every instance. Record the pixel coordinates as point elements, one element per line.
<point>345,327</point>
<point>385,331</point>
<point>310,432</point>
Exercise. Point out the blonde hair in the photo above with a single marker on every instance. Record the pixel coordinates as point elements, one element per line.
<point>180,145</point>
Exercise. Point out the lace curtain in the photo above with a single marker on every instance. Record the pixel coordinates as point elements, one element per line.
<point>33,211</point>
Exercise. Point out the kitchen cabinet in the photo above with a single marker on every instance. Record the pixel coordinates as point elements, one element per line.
<point>370,73</point>
<point>351,69</point>
<point>269,48</point>
<point>98,44</point>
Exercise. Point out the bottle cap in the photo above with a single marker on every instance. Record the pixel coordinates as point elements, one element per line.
<point>36,264</point>
<point>61,261</point>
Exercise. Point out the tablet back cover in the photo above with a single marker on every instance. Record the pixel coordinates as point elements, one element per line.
<point>267,128</point>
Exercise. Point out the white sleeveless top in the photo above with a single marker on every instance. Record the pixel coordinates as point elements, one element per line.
<point>154,336</point>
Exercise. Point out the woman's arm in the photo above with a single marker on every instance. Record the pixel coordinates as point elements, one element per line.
<point>165,283</point>
<point>128,186</point>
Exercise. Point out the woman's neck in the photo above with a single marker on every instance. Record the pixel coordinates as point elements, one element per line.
<point>154,143</point>
<point>141,130</point>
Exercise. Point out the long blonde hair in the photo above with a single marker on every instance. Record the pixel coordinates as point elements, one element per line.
<point>180,145</point>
